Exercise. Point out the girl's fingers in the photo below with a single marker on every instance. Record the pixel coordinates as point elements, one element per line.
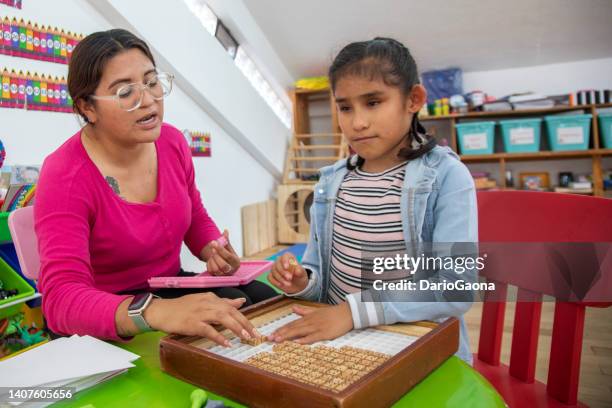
<point>303,311</point>
<point>293,332</point>
<point>274,281</point>
<point>311,338</point>
<point>281,278</point>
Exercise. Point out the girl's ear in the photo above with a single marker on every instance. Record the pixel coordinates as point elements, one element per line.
<point>417,98</point>
<point>87,109</point>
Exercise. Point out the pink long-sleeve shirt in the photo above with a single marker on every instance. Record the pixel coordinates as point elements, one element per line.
<point>94,245</point>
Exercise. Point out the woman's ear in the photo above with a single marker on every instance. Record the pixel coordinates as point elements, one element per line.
<point>417,98</point>
<point>87,109</point>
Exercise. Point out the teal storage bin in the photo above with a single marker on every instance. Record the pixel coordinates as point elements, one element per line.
<point>12,280</point>
<point>605,129</point>
<point>476,137</point>
<point>569,132</point>
<point>521,135</point>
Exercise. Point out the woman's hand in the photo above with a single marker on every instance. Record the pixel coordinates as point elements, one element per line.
<point>194,315</point>
<point>316,324</point>
<point>288,275</point>
<point>221,261</point>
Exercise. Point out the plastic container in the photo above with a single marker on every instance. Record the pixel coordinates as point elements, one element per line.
<point>12,280</point>
<point>605,129</point>
<point>521,135</point>
<point>5,234</point>
<point>248,272</point>
<point>569,132</point>
<point>476,137</point>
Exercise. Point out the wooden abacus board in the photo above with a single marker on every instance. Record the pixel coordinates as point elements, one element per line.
<point>377,366</point>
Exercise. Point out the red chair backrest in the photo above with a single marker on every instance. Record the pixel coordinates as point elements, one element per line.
<point>525,216</point>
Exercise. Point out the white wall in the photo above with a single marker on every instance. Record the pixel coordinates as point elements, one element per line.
<point>231,178</point>
<point>552,79</point>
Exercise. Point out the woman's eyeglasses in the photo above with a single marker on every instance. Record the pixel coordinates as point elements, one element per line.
<point>129,96</point>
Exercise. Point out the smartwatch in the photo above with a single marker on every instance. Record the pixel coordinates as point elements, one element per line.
<point>136,310</point>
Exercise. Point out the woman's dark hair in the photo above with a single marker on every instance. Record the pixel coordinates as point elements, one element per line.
<point>90,57</point>
<point>391,61</point>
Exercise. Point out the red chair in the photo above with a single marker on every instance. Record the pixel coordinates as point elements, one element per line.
<point>522,216</point>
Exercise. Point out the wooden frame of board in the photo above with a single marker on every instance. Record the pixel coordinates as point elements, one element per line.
<point>258,388</point>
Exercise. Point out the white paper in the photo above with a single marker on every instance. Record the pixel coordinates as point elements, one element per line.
<point>63,359</point>
<point>475,141</point>
<point>522,136</point>
<point>570,135</point>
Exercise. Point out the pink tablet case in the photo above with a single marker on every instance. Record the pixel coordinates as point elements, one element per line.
<point>248,271</point>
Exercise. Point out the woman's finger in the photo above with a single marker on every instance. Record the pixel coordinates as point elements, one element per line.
<point>224,267</point>
<point>228,256</point>
<point>246,324</point>
<point>228,320</point>
<point>206,330</point>
<point>213,268</point>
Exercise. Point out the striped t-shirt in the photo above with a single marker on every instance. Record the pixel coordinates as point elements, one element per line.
<point>367,216</point>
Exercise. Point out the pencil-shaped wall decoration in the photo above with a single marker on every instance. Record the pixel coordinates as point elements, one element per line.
<point>31,40</point>
<point>34,92</point>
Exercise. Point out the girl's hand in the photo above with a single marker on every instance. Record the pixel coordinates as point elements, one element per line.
<point>221,261</point>
<point>316,324</point>
<point>288,275</point>
<point>194,315</point>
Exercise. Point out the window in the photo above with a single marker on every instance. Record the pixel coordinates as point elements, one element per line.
<point>227,41</point>
<point>204,14</point>
<point>246,65</point>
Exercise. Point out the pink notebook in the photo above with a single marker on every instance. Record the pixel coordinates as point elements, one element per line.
<point>248,271</point>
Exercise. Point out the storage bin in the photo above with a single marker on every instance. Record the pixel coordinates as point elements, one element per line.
<point>476,137</point>
<point>12,280</point>
<point>605,129</point>
<point>569,132</point>
<point>521,135</point>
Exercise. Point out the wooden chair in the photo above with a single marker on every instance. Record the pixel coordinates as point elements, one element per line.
<point>522,216</point>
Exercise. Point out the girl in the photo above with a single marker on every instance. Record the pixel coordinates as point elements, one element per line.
<point>400,190</point>
<point>115,202</point>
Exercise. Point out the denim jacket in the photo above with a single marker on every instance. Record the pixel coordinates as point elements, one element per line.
<point>438,204</point>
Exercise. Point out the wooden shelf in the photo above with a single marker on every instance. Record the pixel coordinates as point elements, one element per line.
<point>316,135</point>
<point>527,112</point>
<point>310,91</point>
<point>542,155</point>
<point>317,147</point>
<point>316,158</point>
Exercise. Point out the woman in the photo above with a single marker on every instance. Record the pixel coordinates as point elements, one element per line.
<point>115,202</point>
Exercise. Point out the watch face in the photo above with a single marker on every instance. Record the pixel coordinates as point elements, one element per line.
<point>139,301</point>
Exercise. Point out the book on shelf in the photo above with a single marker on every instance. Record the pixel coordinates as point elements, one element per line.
<point>523,97</point>
<point>497,106</point>
<point>569,190</point>
<point>534,104</point>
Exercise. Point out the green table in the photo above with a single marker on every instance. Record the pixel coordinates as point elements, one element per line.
<point>453,384</point>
